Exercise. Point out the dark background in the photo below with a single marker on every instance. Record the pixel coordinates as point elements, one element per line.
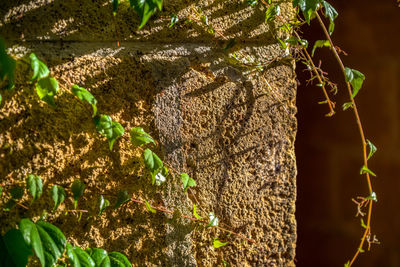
<point>329,154</point>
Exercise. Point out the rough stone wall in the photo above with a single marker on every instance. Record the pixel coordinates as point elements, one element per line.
<point>231,129</point>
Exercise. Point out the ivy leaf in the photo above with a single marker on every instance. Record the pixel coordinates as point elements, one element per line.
<point>213,220</point>
<point>35,185</point>
<point>78,257</point>
<point>308,7</point>
<point>104,203</point>
<point>159,179</point>
<point>330,13</point>
<point>271,12</point>
<point>318,44</point>
<point>293,40</point>
<point>152,162</point>
<point>40,70</point>
<point>13,250</point>
<point>149,208</point>
<point>218,244</point>
<point>355,78</point>
<point>17,192</point>
<point>123,196</point>
<point>47,241</point>
<point>119,260</point>
<point>372,149</point>
<point>347,105</point>
<point>364,169</point>
<point>187,181</point>
<point>252,3</point>
<point>7,66</point>
<point>174,20</point>
<point>46,89</point>
<point>198,217</point>
<point>108,128</point>
<point>99,256</point>
<point>85,95</point>
<point>231,43</point>
<point>282,43</point>
<point>145,9</point>
<point>115,4</point>
<point>140,137</point>
<point>372,197</point>
<point>77,189</point>
<point>58,195</point>
<point>10,204</point>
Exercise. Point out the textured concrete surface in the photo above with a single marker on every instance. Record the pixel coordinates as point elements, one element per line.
<point>231,129</point>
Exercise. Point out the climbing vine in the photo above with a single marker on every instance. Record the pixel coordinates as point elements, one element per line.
<point>49,244</point>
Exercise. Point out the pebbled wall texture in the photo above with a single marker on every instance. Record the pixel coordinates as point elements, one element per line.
<point>229,126</point>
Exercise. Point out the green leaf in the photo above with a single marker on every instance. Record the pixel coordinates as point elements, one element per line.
<point>40,70</point>
<point>363,224</point>
<point>108,128</point>
<point>46,89</point>
<point>372,197</point>
<point>361,250</point>
<point>218,244</point>
<point>372,149</point>
<point>330,13</point>
<point>123,196</point>
<point>355,78</point>
<point>145,9</point>
<point>231,43</point>
<point>149,208</point>
<point>347,264</point>
<point>7,66</point>
<point>187,181</point>
<point>308,8</point>
<point>104,203</point>
<point>213,220</point>
<point>10,204</point>
<point>47,241</point>
<point>347,105</point>
<point>159,179</point>
<point>282,43</point>
<point>153,163</point>
<point>119,260</point>
<point>174,20</point>
<point>271,12</point>
<point>78,257</point>
<point>77,189</point>
<point>197,216</point>
<point>1,190</point>
<point>364,169</point>
<point>85,95</point>
<point>252,3</point>
<point>318,44</point>
<point>35,185</point>
<point>17,192</point>
<point>140,137</point>
<point>58,195</point>
<point>115,4</point>
<point>293,40</point>
<point>99,256</point>
<point>13,250</point>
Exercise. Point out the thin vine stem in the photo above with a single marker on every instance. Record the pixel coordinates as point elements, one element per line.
<point>314,69</point>
<point>162,209</point>
<point>362,135</point>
